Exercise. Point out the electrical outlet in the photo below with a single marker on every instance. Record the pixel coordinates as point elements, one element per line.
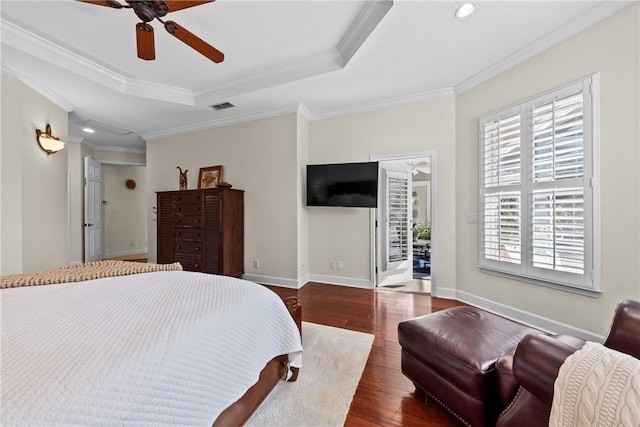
<point>340,265</point>
<point>256,263</point>
<point>332,265</point>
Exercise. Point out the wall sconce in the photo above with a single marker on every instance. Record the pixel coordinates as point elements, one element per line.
<point>46,141</point>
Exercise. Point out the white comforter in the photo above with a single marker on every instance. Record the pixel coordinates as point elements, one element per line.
<point>164,348</point>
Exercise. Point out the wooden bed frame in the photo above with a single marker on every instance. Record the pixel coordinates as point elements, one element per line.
<point>275,371</point>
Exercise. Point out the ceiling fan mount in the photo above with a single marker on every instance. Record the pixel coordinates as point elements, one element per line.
<point>147,11</point>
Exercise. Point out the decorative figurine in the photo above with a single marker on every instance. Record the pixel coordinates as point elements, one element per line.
<point>183,178</point>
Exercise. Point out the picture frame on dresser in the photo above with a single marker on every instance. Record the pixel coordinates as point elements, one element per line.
<point>209,177</point>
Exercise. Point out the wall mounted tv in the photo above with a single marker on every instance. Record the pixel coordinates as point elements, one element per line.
<point>352,185</point>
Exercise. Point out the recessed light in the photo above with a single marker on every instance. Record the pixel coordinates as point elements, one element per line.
<point>88,130</point>
<point>465,10</point>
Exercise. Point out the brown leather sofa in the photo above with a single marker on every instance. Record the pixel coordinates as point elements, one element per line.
<point>530,373</point>
<point>450,355</point>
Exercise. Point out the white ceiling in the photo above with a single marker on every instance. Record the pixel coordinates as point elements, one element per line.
<point>327,57</point>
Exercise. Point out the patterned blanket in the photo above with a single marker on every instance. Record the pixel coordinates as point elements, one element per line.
<point>597,386</point>
<point>81,272</point>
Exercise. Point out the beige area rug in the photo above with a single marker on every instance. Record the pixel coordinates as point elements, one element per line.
<point>332,364</point>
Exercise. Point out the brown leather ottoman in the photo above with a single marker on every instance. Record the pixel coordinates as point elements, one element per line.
<point>451,356</point>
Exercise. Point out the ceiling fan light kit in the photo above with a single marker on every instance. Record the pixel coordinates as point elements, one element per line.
<point>147,11</point>
<point>145,41</point>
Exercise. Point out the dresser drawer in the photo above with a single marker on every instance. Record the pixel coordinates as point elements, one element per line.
<point>187,234</point>
<point>188,208</point>
<point>189,263</point>
<point>187,221</point>
<point>187,247</point>
<point>186,198</point>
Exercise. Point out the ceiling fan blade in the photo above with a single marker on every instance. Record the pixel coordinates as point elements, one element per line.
<point>194,41</point>
<point>109,3</point>
<point>183,4</point>
<point>145,41</point>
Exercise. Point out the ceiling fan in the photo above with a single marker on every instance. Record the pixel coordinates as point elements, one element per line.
<point>147,11</point>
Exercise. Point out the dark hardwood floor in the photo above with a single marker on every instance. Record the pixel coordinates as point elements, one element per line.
<point>384,396</point>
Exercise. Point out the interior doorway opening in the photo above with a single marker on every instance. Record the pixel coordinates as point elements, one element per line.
<point>115,221</point>
<point>403,224</point>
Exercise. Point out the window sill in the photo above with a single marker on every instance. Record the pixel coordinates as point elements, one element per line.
<point>560,287</point>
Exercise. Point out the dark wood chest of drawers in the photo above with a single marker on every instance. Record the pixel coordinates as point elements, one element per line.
<point>202,229</point>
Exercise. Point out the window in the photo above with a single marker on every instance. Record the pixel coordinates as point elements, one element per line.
<point>536,188</point>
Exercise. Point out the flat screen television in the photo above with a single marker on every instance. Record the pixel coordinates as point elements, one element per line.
<point>353,185</point>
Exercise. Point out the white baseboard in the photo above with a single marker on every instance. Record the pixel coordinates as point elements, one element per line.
<point>124,253</point>
<point>530,319</point>
<point>342,281</point>
<point>446,293</point>
<point>277,281</point>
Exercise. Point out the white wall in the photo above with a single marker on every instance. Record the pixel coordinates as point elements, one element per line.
<point>343,233</point>
<point>303,212</point>
<point>610,48</point>
<point>258,157</point>
<point>124,215</point>
<point>34,184</point>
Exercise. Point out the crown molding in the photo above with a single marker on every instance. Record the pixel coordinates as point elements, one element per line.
<point>386,103</point>
<point>26,41</point>
<point>8,72</point>
<point>304,112</point>
<point>580,23</point>
<point>159,92</point>
<point>119,149</point>
<point>277,74</point>
<point>40,88</point>
<point>301,109</point>
<point>50,94</point>
<point>95,146</point>
<point>218,123</point>
<point>365,22</point>
<point>288,71</point>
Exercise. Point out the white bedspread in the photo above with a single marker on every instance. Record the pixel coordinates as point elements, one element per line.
<point>164,348</point>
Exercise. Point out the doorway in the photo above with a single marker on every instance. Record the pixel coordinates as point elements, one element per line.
<point>115,222</point>
<point>403,223</point>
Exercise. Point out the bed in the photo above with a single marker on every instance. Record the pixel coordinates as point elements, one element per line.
<point>147,348</point>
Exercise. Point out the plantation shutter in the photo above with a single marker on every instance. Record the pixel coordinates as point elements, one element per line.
<point>501,190</point>
<point>537,216</point>
<point>558,214</point>
<point>397,218</point>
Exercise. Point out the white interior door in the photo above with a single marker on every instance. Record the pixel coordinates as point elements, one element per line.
<point>92,210</point>
<point>394,234</point>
